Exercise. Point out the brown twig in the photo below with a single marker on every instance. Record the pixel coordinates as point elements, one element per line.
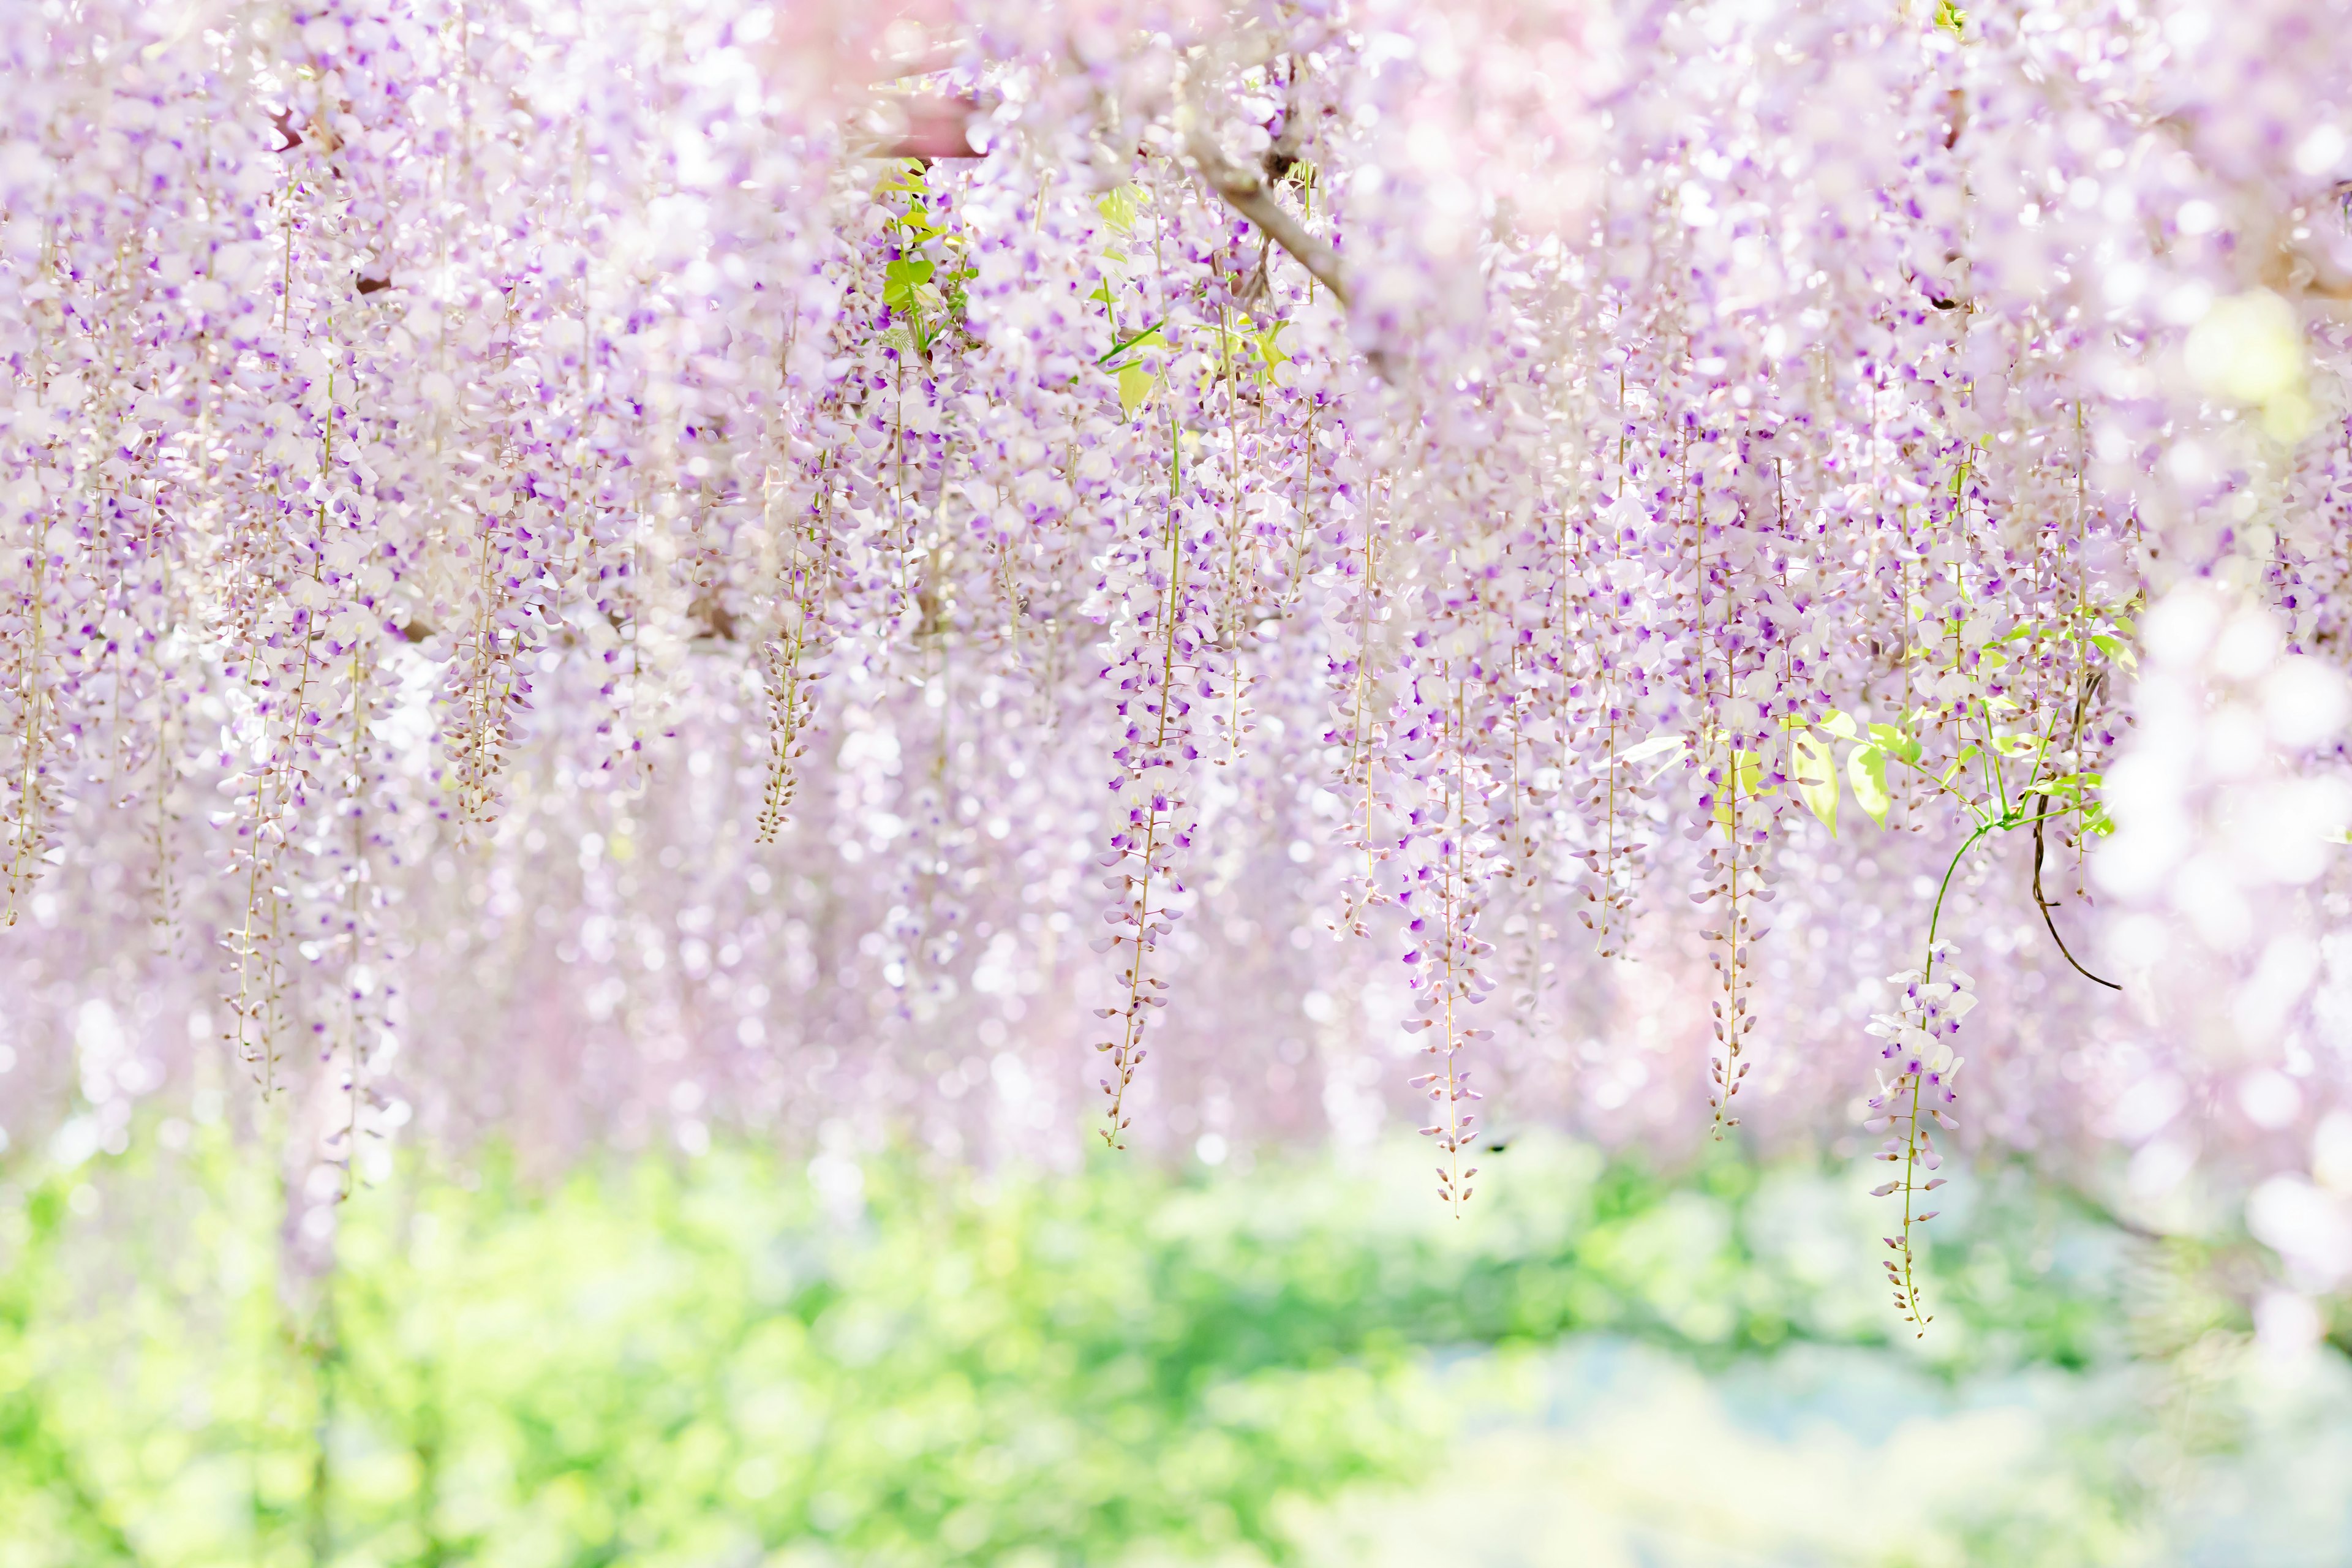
<point>1246,193</point>
<point>2044,905</point>
<point>2074,746</point>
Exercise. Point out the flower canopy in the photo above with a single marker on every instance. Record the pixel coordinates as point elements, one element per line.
<point>581,568</point>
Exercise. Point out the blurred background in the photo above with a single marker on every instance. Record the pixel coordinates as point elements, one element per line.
<point>729,1359</point>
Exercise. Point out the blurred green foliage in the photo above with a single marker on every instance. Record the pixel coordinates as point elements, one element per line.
<point>722,1361</point>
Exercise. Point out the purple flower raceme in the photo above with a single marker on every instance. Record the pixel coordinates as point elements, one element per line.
<point>1917,1039</point>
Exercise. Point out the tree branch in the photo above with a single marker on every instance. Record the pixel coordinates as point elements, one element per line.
<point>935,128</point>
<point>1246,193</point>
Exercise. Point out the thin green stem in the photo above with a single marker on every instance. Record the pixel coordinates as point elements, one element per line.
<point>1937,914</point>
<point>1973,809</point>
<point>1129,344</point>
<point>1992,758</point>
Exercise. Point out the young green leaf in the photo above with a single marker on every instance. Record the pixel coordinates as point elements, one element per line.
<point>900,279</point>
<point>1135,385</point>
<point>1891,740</point>
<point>2117,649</point>
<point>1866,769</point>
<point>1816,777</point>
<point>909,181</point>
<point>1270,352</point>
<point>1745,779</point>
<point>1118,206</point>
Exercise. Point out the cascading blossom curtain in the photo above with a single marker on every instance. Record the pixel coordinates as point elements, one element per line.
<point>590,570</point>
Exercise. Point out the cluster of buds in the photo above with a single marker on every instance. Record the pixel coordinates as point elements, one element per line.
<point>1609,796</point>
<point>1918,1041</point>
<point>1142,874</point>
<point>1443,894</point>
<point>1730,793</point>
<point>1356,726</point>
<point>796,590</point>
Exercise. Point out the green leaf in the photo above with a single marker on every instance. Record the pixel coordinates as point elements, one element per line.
<point>1816,777</point>
<point>1118,206</point>
<point>1744,780</point>
<point>1891,740</point>
<point>909,180</point>
<point>2117,648</point>
<point>1841,725</point>
<point>1135,385</point>
<point>1866,769</point>
<point>1747,774</point>
<point>1268,351</point>
<point>900,280</point>
<point>2071,787</point>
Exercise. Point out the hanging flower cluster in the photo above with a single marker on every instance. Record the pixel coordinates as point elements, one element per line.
<point>582,569</point>
<point>1911,1105</point>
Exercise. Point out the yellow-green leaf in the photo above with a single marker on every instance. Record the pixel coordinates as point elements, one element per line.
<point>909,179</point>
<point>1744,780</point>
<point>1866,769</point>
<point>1816,777</point>
<point>1269,351</point>
<point>1748,773</point>
<point>1118,205</point>
<point>1135,385</point>
<point>1894,741</point>
<point>2117,649</point>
